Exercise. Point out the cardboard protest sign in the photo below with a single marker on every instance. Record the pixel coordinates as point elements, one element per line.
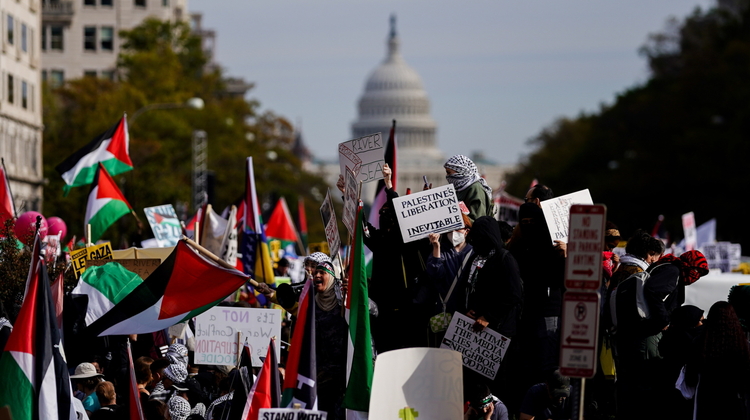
<point>95,252</point>
<point>328,213</point>
<point>431,211</point>
<point>143,267</point>
<point>482,352</point>
<point>557,212</point>
<point>165,224</point>
<point>216,334</point>
<point>417,383</point>
<point>351,201</point>
<point>364,156</point>
<point>290,414</point>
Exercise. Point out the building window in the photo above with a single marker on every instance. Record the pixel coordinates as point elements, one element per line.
<point>89,2</point>
<point>24,95</point>
<point>108,75</point>
<point>9,27</point>
<point>89,38</point>
<point>44,75</point>
<point>89,73</point>
<point>24,45</point>
<point>56,38</point>
<point>56,78</point>
<point>140,3</point>
<point>106,3</point>
<point>10,89</point>
<point>106,37</point>
<point>165,3</point>
<point>44,38</point>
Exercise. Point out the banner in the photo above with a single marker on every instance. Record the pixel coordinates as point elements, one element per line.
<point>164,223</point>
<point>482,352</point>
<point>218,329</point>
<point>557,212</point>
<point>328,213</point>
<point>290,414</point>
<point>364,156</point>
<point>97,252</point>
<point>417,383</point>
<point>432,211</point>
<point>143,267</point>
<point>351,201</point>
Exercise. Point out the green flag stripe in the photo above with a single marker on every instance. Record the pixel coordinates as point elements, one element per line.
<point>86,175</point>
<point>106,216</point>
<point>15,389</point>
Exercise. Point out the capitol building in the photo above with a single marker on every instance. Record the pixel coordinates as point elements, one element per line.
<point>394,91</point>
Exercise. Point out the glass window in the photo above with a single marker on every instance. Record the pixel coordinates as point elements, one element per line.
<point>24,46</point>
<point>106,2</point>
<point>89,38</point>
<point>89,2</point>
<point>9,27</point>
<point>106,37</point>
<point>56,78</point>
<point>10,89</point>
<point>108,74</point>
<point>44,38</point>
<point>56,38</point>
<point>24,95</point>
<point>44,75</point>
<point>165,3</point>
<point>89,73</point>
<point>140,3</point>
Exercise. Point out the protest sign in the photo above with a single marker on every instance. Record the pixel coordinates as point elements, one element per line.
<point>351,201</point>
<point>143,267</point>
<point>724,256</point>
<point>96,252</point>
<point>164,223</point>
<point>328,213</point>
<point>364,156</point>
<point>216,334</point>
<point>482,352</point>
<point>691,233</point>
<point>557,212</point>
<point>425,212</point>
<point>290,414</point>
<point>417,383</point>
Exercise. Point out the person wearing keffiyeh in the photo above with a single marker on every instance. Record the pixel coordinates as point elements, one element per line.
<point>470,187</point>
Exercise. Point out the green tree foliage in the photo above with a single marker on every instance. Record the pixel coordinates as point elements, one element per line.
<point>678,143</point>
<point>163,62</point>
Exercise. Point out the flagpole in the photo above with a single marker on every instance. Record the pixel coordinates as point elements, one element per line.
<point>5,171</point>
<point>210,255</point>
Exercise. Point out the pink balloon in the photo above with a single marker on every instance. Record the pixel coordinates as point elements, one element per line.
<point>26,224</point>
<point>57,225</point>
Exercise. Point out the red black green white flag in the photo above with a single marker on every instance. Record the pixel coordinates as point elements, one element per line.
<point>109,148</point>
<point>185,285</point>
<point>35,383</point>
<point>266,391</point>
<point>7,207</point>
<point>301,379</point>
<point>106,204</point>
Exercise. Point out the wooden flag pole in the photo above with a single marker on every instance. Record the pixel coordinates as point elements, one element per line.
<point>210,255</point>
<point>88,235</point>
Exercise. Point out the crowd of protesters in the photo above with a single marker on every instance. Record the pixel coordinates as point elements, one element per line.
<point>660,359</point>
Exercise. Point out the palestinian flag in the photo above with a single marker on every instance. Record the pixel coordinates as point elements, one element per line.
<point>301,379</point>
<point>105,286</point>
<point>106,204</point>
<point>7,207</point>
<point>380,195</point>
<point>266,391</point>
<point>256,256</point>
<point>186,284</point>
<point>280,227</point>
<point>359,366</point>
<point>109,148</point>
<point>35,382</point>
<point>243,385</point>
<point>135,412</point>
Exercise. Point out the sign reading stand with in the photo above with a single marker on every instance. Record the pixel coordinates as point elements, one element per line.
<point>431,211</point>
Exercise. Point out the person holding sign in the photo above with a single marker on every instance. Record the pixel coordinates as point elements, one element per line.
<point>471,188</point>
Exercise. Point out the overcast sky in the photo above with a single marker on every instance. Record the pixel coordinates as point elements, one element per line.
<point>496,71</point>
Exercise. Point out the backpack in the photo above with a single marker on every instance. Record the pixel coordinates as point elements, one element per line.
<point>627,302</point>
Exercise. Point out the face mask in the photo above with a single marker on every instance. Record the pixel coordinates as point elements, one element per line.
<point>456,238</point>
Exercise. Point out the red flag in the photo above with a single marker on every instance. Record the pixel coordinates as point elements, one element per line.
<point>7,208</point>
<point>266,391</point>
<point>280,225</point>
<point>57,298</point>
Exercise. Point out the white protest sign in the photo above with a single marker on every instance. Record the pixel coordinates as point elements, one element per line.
<point>482,352</point>
<point>351,201</point>
<point>417,383</point>
<point>290,414</point>
<point>425,212</point>
<point>328,213</point>
<point>216,334</point>
<point>691,233</point>
<point>365,156</point>
<point>557,212</point>
<point>165,224</point>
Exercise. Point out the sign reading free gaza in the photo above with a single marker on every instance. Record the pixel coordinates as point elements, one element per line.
<point>431,211</point>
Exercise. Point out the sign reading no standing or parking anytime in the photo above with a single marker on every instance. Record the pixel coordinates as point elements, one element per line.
<point>578,337</point>
<point>583,266</point>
